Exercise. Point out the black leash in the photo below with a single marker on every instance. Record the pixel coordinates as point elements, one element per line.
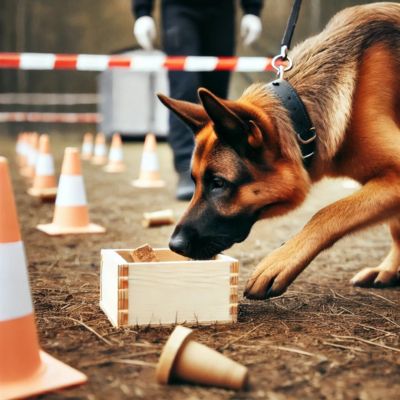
<point>301,122</point>
<point>286,41</point>
<point>291,25</point>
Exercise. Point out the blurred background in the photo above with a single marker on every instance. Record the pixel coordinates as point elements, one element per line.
<point>105,27</point>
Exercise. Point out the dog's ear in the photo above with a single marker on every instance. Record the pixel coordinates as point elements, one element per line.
<point>192,114</point>
<point>229,126</point>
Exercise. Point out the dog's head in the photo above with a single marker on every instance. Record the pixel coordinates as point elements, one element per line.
<point>244,169</point>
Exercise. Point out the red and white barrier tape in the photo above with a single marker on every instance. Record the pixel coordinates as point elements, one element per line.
<point>51,117</point>
<point>97,62</point>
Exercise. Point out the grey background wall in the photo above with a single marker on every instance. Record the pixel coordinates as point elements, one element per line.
<point>105,26</point>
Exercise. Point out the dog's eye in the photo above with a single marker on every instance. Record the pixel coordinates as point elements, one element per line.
<point>217,183</point>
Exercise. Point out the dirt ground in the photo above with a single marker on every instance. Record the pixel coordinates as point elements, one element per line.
<point>323,339</point>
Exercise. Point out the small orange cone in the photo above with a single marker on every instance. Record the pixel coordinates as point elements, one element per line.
<point>115,156</point>
<point>44,182</point>
<point>23,150</point>
<point>185,360</point>
<point>18,147</point>
<point>87,146</point>
<point>32,154</point>
<point>71,213</point>
<point>100,150</point>
<point>25,370</point>
<point>149,176</point>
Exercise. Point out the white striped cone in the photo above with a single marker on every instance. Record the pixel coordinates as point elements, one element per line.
<point>100,150</point>
<point>24,150</point>
<point>18,147</point>
<point>87,146</point>
<point>24,369</point>
<point>32,154</point>
<point>149,176</point>
<point>71,215</point>
<point>44,182</point>
<point>21,149</point>
<point>115,156</point>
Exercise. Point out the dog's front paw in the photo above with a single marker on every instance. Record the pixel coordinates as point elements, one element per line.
<point>270,279</point>
<point>376,277</point>
<point>267,284</point>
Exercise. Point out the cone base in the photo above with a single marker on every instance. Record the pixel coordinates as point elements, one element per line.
<point>54,375</point>
<point>99,161</point>
<point>148,184</point>
<point>169,353</point>
<point>26,172</point>
<point>53,229</point>
<point>114,168</point>
<point>44,193</point>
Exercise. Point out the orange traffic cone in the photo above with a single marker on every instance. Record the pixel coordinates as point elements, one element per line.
<point>18,147</point>
<point>115,156</point>
<point>29,170</point>
<point>185,360</point>
<point>149,176</point>
<point>44,182</point>
<point>87,146</point>
<point>25,370</point>
<point>23,150</point>
<point>100,150</point>
<point>71,213</point>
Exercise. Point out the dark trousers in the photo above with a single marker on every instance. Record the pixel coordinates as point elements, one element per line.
<point>197,29</point>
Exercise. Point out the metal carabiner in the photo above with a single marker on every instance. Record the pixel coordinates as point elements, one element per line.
<point>280,69</point>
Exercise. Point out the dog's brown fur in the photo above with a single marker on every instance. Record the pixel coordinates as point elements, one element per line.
<point>348,79</point>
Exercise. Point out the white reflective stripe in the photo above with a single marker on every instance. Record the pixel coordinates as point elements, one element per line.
<point>71,191</point>
<point>115,155</point>
<point>15,295</point>
<point>147,63</point>
<point>32,157</point>
<point>92,62</point>
<point>149,162</point>
<point>87,148</point>
<point>100,150</point>
<point>248,64</point>
<point>37,61</point>
<point>23,148</point>
<point>193,63</point>
<point>45,165</point>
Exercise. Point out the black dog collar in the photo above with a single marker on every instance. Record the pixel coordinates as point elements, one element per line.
<point>301,121</point>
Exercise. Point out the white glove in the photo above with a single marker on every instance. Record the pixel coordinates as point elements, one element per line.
<point>145,32</point>
<point>250,28</point>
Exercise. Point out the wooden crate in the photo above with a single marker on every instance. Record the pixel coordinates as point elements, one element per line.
<point>173,290</point>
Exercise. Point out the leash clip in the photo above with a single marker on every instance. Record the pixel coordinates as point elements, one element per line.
<point>281,68</point>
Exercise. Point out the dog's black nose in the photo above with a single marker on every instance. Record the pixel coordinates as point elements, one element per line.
<point>179,243</point>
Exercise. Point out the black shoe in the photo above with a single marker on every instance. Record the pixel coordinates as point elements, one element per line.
<point>185,188</point>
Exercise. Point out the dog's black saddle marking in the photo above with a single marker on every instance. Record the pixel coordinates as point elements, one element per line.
<point>301,121</point>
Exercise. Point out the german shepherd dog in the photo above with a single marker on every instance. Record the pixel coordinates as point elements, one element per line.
<point>247,163</point>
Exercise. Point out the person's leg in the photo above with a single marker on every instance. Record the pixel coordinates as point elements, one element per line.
<point>180,37</point>
<point>218,39</point>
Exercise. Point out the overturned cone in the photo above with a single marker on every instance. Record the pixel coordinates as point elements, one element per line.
<point>185,360</point>
<point>71,215</point>
<point>44,182</point>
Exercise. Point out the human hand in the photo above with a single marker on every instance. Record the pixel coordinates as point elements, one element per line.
<point>145,32</point>
<point>250,29</point>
